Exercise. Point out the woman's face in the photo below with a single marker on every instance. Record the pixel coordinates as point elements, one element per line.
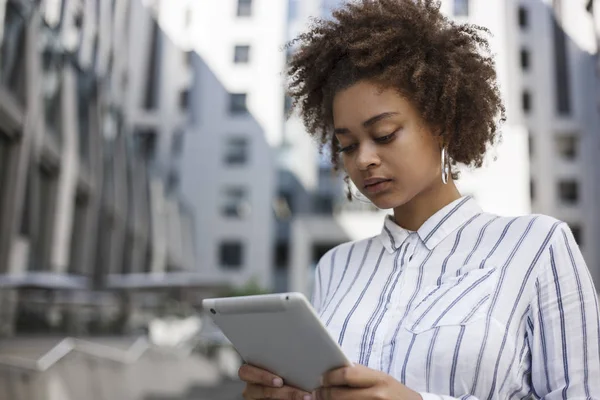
<point>388,151</point>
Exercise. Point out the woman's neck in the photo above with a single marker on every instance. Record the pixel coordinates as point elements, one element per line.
<point>421,207</point>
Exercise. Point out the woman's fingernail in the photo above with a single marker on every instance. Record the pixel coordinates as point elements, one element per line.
<point>308,397</point>
<point>277,382</point>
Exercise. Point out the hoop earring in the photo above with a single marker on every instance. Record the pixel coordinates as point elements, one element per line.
<point>445,166</point>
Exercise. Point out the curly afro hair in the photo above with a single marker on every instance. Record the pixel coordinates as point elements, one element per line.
<point>445,69</point>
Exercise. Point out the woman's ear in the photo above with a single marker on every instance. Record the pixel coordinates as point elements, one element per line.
<point>440,137</point>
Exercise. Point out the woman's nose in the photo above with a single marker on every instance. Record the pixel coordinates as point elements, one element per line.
<point>367,156</point>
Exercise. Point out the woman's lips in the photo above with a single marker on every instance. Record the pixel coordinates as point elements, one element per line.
<point>377,186</point>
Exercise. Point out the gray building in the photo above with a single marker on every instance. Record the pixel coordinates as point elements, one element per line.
<point>228,161</point>
<point>90,132</point>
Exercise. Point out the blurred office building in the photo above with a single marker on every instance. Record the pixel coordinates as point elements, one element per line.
<point>145,154</point>
<point>92,121</point>
<point>228,160</point>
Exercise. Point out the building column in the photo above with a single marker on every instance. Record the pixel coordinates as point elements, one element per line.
<point>8,306</point>
<point>67,183</point>
<point>22,124</point>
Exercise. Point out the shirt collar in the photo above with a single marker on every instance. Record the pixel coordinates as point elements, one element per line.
<point>435,229</point>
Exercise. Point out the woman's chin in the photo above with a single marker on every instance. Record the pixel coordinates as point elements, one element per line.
<point>383,204</point>
<point>387,201</point>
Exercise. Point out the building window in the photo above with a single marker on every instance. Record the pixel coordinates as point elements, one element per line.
<point>5,146</point>
<point>28,205</point>
<point>523,17</point>
<point>52,91</point>
<point>526,101</point>
<point>237,103</point>
<point>244,8</point>
<point>47,187</point>
<point>236,151</point>
<point>188,55</point>
<point>177,143</point>
<point>282,255</point>
<point>172,181</point>
<point>85,113</point>
<point>184,99</point>
<point>531,145</point>
<point>151,95</point>
<point>525,61</point>
<point>461,8</point>
<point>323,204</point>
<point>320,249</point>
<point>6,149</point>
<point>78,232</point>
<point>241,55</point>
<point>231,254</point>
<point>576,230</point>
<point>532,189</point>
<point>561,71</point>
<point>568,191</point>
<point>145,142</point>
<point>12,52</point>
<point>235,202</point>
<point>567,146</point>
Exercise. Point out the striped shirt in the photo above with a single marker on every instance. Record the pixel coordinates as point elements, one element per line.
<point>471,306</point>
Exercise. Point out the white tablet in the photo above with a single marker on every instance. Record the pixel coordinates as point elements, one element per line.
<point>280,333</point>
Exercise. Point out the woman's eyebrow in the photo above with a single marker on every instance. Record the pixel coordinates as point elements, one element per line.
<point>370,122</point>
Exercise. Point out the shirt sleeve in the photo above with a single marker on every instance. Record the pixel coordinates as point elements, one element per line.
<point>565,325</point>
<point>316,296</point>
<point>322,280</point>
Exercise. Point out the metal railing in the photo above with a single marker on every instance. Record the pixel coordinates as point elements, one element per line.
<point>77,369</point>
<point>68,345</point>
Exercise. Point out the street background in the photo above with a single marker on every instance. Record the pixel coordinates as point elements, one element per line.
<point>147,162</point>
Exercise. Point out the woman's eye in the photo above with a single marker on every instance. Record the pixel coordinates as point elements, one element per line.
<point>386,138</point>
<point>382,139</point>
<point>348,149</point>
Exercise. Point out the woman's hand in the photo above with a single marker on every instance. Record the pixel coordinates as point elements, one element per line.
<point>362,383</point>
<point>263,385</point>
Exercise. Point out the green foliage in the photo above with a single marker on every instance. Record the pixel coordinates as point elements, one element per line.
<point>252,287</point>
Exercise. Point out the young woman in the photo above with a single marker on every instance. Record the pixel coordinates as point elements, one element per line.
<point>448,301</point>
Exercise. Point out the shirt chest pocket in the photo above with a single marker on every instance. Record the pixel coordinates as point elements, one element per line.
<point>459,300</point>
